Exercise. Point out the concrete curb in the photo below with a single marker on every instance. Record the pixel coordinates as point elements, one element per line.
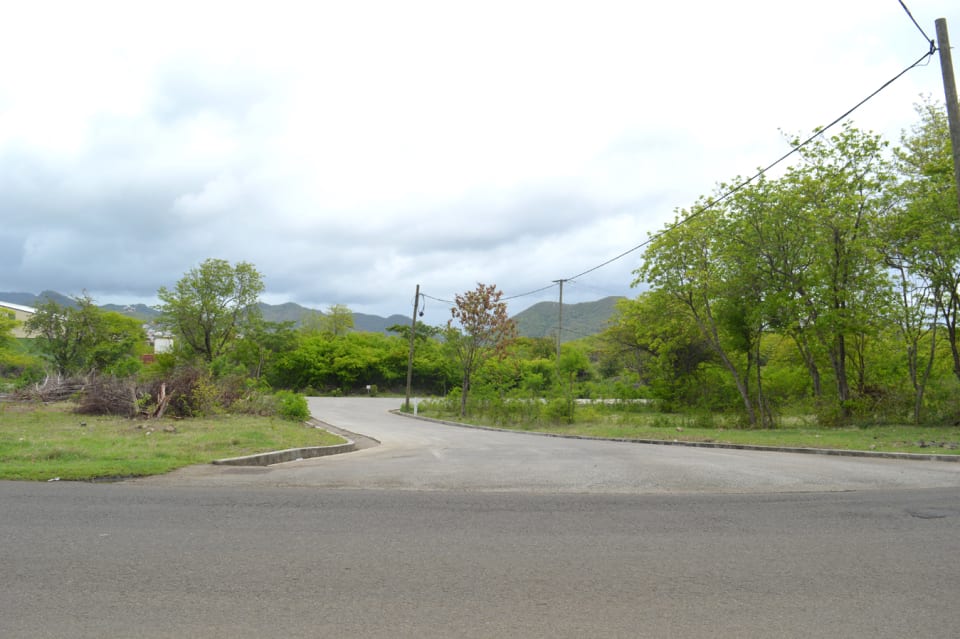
<point>667,442</point>
<point>290,454</point>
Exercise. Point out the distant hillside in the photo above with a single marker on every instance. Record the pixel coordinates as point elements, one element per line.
<point>540,320</point>
<point>579,320</point>
<point>142,312</point>
<point>289,312</point>
<point>29,299</point>
<point>377,324</point>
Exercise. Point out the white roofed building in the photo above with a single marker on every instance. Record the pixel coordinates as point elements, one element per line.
<point>20,313</point>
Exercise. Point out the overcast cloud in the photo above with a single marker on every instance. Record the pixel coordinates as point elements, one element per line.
<point>351,150</point>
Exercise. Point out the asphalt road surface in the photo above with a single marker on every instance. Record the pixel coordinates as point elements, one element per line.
<point>420,455</point>
<point>449,532</point>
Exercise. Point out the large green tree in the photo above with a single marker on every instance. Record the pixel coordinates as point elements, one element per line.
<point>211,305</point>
<point>924,237</point>
<point>692,262</point>
<point>82,337</point>
<point>800,255</point>
<point>922,248</point>
<point>844,184</point>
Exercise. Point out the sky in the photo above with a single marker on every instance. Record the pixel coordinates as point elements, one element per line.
<point>353,150</point>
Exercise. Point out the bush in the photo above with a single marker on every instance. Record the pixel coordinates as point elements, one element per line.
<point>257,402</point>
<point>559,409</point>
<point>292,406</point>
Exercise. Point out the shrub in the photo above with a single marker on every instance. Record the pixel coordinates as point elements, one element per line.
<point>257,402</point>
<point>292,406</point>
<point>559,409</point>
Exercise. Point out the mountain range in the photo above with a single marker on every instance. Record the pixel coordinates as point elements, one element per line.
<point>540,320</point>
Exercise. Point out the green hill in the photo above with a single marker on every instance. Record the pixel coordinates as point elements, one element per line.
<point>540,320</point>
<point>579,320</point>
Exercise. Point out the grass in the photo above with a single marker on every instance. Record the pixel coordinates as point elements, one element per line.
<point>42,442</point>
<point>607,423</point>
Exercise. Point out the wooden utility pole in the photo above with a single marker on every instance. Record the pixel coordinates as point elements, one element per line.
<point>559,319</point>
<point>413,332</point>
<point>950,93</point>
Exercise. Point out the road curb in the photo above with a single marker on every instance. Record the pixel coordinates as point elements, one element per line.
<point>290,454</point>
<point>675,442</point>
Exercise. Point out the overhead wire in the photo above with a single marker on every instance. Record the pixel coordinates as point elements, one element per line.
<point>740,186</point>
<point>933,45</point>
<point>744,183</point>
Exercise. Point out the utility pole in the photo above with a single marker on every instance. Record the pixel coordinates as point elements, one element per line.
<point>413,332</point>
<point>559,318</point>
<point>950,93</point>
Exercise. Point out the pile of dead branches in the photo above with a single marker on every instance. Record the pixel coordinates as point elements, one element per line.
<point>105,395</point>
<point>52,389</point>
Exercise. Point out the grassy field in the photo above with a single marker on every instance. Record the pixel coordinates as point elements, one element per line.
<point>794,433</point>
<point>43,442</point>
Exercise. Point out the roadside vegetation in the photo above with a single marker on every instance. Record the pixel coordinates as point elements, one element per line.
<point>818,307</point>
<point>51,441</point>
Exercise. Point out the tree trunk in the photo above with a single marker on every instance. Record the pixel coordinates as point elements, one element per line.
<point>464,388</point>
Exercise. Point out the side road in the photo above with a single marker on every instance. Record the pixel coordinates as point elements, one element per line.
<point>421,455</point>
<point>662,442</point>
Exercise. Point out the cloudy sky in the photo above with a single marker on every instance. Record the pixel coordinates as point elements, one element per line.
<point>351,150</point>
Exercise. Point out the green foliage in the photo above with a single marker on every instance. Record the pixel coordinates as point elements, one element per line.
<point>351,362</point>
<point>83,337</point>
<point>18,367</point>
<point>338,320</point>
<point>211,305</point>
<point>204,397</point>
<point>7,323</point>
<point>559,410</point>
<point>832,291</point>
<point>292,406</point>
<point>259,348</point>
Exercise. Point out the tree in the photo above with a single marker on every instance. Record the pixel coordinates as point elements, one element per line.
<point>324,361</point>
<point>120,342</point>
<point>485,331</point>
<point>7,324</point>
<point>690,262</point>
<point>261,345</point>
<point>921,247</point>
<point>338,320</point>
<point>211,305</point>
<point>653,337</point>
<point>845,186</point>
<point>83,337</point>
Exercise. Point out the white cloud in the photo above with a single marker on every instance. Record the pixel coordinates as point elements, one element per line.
<point>352,150</point>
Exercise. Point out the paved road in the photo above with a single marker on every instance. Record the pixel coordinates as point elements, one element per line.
<point>491,535</point>
<point>131,560</point>
<point>420,455</point>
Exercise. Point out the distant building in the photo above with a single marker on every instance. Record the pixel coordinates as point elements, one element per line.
<point>162,344</point>
<point>20,313</point>
<point>161,340</point>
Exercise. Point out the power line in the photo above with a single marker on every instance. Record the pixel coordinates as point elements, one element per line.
<point>740,186</point>
<point>528,293</point>
<point>933,45</point>
<point>436,299</point>
<point>733,190</point>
